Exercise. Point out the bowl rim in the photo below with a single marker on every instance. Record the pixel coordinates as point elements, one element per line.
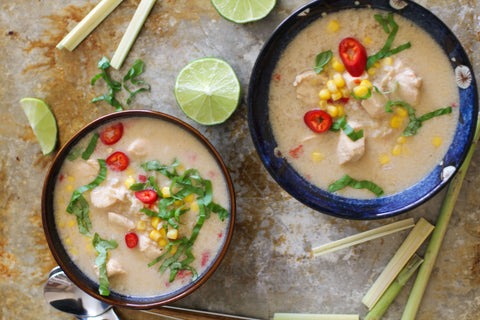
<point>281,171</point>
<point>68,266</point>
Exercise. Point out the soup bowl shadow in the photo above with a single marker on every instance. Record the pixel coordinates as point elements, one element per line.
<point>329,203</point>
<point>59,252</point>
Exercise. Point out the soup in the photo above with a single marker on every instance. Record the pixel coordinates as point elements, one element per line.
<point>145,214</point>
<point>369,132</point>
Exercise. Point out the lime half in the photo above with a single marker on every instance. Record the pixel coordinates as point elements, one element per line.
<point>243,11</point>
<point>42,121</point>
<point>207,90</point>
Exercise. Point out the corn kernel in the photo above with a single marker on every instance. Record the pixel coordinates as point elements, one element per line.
<point>367,40</point>
<point>68,241</point>
<point>337,65</point>
<point>397,149</point>
<point>178,203</point>
<point>372,71</point>
<point>377,64</point>
<point>337,96</point>
<point>89,247</point>
<point>333,26</point>
<point>317,156</point>
<point>360,91</point>
<point>194,206</point>
<point>322,104</point>
<point>338,80</point>
<point>331,86</point>
<point>366,83</point>
<point>172,234</point>
<point>437,141</point>
<point>162,242</point>
<point>163,233</point>
<point>155,222</point>
<point>341,111</point>
<point>130,172</point>
<point>396,122</point>
<point>155,235</point>
<point>180,167</point>
<point>129,181</point>
<point>173,250</point>
<point>324,94</point>
<point>345,92</point>
<point>401,140</point>
<point>70,188</point>
<point>74,251</point>
<point>388,61</point>
<point>189,198</point>
<point>71,179</point>
<point>141,225</point>
<point>166,192</point>
<point>71,223</point>
<point>332,111</point>
<point>384,159</point>
<point>401,111</point>
<point>61,224</point>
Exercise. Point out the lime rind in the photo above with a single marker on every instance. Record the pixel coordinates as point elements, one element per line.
<point>243,11</point>
<point>43,123</point>
<point>207,90</point>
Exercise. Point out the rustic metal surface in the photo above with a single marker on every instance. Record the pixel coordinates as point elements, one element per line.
<point>268,268</point>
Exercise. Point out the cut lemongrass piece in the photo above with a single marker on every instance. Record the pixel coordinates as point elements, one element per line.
<point>363,237</point>
<point>131,33</point>
<point>314,316</point>
<point>408,248</point>
<point>394,289</point>
<point>87,24</point>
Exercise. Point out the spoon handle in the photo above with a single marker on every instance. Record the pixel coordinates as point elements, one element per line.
<point>191,314</point>
<point>109,315</point>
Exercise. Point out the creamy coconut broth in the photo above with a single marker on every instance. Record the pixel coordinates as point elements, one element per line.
<point>115,210</point>
<point>420,76</point>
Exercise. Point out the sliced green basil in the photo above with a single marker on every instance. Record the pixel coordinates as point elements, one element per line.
<point>135,71</point>
<point>342,124</point>
<point>102,247</point>
<point>74,154</point>
<point>321,60</point>
<point>91,147</point>
<point>347,181</point>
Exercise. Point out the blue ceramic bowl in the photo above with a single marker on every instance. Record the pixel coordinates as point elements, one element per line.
<point>322,200</point>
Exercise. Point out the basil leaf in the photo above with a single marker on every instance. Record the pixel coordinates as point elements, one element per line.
<point>111,101</point>
<point>342,124</point>
<point>135,70</point>
<point>91,147</point>
<point>138,186</point>
<point>347,181</point>
<point>436,113</point>
<point>74,154</point>
<point>321,60</point>
<point>102,247</point>
<point>112,85</point>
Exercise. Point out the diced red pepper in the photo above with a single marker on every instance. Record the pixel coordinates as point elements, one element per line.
<point>353,55</point>
<point>111,134</point>
<point>117,161</point>
<point>205,258</point>
<point>296,152</point>
<point>142,178</point>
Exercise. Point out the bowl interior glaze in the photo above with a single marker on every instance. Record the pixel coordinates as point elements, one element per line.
<point>59,252</point>
<point>324,201</point>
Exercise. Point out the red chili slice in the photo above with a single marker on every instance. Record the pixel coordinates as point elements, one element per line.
<point>111,134</point>
<point>117,161</point>
<point>147,196</point>
<point>296,152</point>
<point>131,240</point>
<point>353,55</point>
<point>318,120</point>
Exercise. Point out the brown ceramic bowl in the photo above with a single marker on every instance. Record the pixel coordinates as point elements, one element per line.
<point>71,269</point>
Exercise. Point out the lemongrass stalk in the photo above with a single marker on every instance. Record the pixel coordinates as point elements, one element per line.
<point>363,237</point>
<point>314,316</point>
<point>418,289</point>
<point>88,24</point>
<point>413,241</point>
<point>131,33</point>
<point>394,289</point>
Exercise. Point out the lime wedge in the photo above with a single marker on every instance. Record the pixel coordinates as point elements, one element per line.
<point>207,90</point>
<point>42,121</point>
<point>243,11</point>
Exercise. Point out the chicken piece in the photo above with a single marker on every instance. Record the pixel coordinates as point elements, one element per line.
<point>86,171</point>
<point>409,84</point>
<point>120,221</point>
<point>105,196</point>
<point>375,105</point>
<point>149,247</point>
<point>308,85</point>
<point>139,148</point>
<point>113,268</point>
<point>349,150</point>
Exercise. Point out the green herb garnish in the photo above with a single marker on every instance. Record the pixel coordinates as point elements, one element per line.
<point>79,206</point>
<point>321,60</point>
<point>387,23</point>
<point>169,210</point>
<point>74,154</point>
<point>102,247</point>
<point>347,181</point>
<point>369,93</point>
<point>342,124</point>
<point>414,122</point>
<point>113,85</point>
<point>135,70</point>
<point>91,147</point>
